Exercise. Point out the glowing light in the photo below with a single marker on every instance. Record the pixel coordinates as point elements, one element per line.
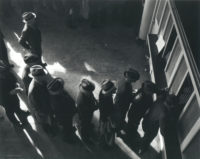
<point>17,58</point>
<point>161,141</point>
<point>22,104</point>
<point>89,67</point>
<point>126,149</point>
<point>55,67</point>
<point>33,144</point>
<point>32,122</point>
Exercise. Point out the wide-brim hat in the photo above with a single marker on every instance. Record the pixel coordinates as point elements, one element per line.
<point>107,87</point>
<point>55,86</point>
<point>32,59</point>
<point>27,17</point>
<point>132,74</point>
<point>86,85</point>
<point>38,71</point>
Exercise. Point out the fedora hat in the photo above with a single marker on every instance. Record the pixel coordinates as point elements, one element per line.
<point>107,87</point>
<point>132,74</point>
<point>28,17</point>
<point>37,70</point>
<point>55,86</point>
<point>86,85</point>
<point>31,59</point>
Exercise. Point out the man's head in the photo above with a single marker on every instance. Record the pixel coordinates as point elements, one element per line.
<point>31,59</point>
<point>39,74</point>
<point>56,86</point>
<point>131,75</point>
<point>86,86</point>
<point>170,101</point>
<point>149,87</point>
<point>29,18</point>
<point>108,87</point>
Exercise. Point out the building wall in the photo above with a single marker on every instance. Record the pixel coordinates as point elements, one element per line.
<point>181,73</point>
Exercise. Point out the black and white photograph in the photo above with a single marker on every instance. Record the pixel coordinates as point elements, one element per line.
<point>99,79</point>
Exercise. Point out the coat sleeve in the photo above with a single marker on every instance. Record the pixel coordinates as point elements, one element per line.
<point>23,39</point>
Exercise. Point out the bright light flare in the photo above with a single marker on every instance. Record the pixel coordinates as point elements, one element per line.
<point>56,67</point>
<point>89,67</point>
<point>33,144</point>
<point>17,58</point>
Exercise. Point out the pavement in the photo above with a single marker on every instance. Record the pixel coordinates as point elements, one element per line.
<point>73,54</point>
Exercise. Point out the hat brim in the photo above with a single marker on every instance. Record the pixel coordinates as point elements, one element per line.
<point>126,74</point>
<point>84,90</point>
<point>58,90</point>
<point>30,20</point>
<point>110,91</point>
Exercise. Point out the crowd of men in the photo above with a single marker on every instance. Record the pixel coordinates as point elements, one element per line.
<point>121,108</point>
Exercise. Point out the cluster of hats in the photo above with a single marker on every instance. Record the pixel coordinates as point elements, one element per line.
<point>28,17</point>
<point>108,87</point>
<point>132,74</point>
<point>86,85</point>
<point>55,86</point>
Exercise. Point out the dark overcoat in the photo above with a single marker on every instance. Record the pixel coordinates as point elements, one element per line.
<point>7,83</point>
<point>86,105</point>
<point>106,106</point>
<point>63,106</point>
<point>141,103</point>
<point>31,40</point>
<point>123,97</point>
<point>3,50</point>
<point>39,101</point>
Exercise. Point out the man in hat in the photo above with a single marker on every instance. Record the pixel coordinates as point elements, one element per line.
<point>63,107</point>
<point>106,107</point>
<point>153,117</point>
<point>124,94</point>
<point>86,105</point>
<point>141,103</point>
<point>39,99</point>
<point>8,96</point>
<point>31,40</point>
<point>31,36</point>
<point>30,60</point>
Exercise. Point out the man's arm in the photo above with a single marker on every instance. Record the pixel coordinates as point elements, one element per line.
<point>23,39</point>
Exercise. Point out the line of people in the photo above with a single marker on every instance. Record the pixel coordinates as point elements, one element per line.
<point>53,108</point>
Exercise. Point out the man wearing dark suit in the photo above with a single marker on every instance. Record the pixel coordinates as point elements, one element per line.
<point>124,94</point>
